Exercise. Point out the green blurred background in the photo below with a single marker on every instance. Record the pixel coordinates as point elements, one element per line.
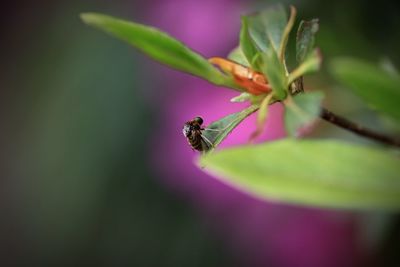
<point>79,111</point>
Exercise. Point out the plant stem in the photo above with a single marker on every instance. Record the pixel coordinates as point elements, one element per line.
<point>358,129</point>
<point>345,123</point>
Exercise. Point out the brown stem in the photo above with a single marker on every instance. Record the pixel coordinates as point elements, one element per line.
<point>298,87</point>
<point>358,129</point>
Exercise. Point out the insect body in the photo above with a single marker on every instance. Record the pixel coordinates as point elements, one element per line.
<point>253,81</point>
<point>192,130</point>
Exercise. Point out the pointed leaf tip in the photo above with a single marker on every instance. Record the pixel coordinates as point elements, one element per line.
<point>218,130</point>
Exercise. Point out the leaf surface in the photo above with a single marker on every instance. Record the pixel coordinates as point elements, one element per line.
<point>302,110</point>
<point>318,173</point>
<point>160,46</point>
<point>377,87</point>
<point>217,131</point>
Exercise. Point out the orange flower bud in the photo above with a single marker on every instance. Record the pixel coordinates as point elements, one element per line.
<point>253,81</point>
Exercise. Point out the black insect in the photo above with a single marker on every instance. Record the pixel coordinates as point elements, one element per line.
<point>193,131</point>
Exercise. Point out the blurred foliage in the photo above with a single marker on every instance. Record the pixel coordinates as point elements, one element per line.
<point>377,87</point>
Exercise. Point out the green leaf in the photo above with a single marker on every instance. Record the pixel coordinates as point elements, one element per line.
<point>247,45</point>
<point>378,88</point>
<point>302,109</point>
<point>286,33</point>
<point>387,65</point>
<point>311,64</point>
<point>243,97</point>
<point>319,173</point>
<point>159,46</point>
<point>266,28</point>
<point>217,131</point>
<point>261,117</point>
<point>237,55</point>
<point>276,73</point>
<point>306,38</point>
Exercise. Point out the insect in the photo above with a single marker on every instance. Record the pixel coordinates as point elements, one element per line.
<point>253,81</point>
<point>193,131</point>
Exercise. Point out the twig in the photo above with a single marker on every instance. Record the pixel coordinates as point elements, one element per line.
<point>358,129</point>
